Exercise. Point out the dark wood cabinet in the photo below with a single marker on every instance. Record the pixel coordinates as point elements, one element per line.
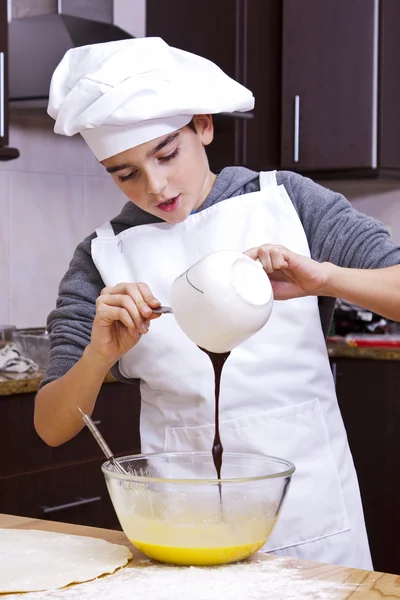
<point>186,31</point>
<point>72,494</point>
<point>243,37</point>
<point>6,153</point>
<point>263,37</point>
<point>64,483</point>
<point>368,394</point>
<point>324,74</point>
<point>340,88</point>
<point>3,74</point>
<point>389,86</point>
<point>116,415</point>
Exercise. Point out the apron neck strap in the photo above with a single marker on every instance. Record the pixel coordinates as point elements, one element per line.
<point>105,230</point>
<point>267,180</point>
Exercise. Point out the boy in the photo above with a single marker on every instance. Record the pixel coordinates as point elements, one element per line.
<point>145,111</point>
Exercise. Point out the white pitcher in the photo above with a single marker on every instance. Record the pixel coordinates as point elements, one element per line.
<point>222,300</point>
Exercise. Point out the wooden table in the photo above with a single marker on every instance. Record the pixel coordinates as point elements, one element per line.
<point>366,585</point>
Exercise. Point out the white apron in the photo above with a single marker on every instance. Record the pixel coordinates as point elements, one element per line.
<point>277,392</point>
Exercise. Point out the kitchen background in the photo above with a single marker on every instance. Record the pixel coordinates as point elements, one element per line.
<point>325,74</point>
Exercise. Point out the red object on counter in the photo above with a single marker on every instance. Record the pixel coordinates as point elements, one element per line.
<point>367,341</point>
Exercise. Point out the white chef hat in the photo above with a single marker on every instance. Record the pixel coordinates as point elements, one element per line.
<point>121,94</point>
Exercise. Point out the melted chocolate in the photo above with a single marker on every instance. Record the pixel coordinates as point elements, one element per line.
<point>218,361</point>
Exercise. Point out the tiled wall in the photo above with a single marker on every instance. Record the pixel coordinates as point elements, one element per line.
<point>377,198</point>
<point>131,16</point>
<point>50,199</point>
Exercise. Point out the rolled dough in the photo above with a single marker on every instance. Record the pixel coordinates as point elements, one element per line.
<point>33,560</point>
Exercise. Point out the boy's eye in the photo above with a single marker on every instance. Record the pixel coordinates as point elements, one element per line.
<point>132,175</point>
<point>170,156</point>
<point>126,177</point>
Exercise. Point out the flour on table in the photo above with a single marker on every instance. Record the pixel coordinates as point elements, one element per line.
<point>32,560</point>
<point>258,578</point>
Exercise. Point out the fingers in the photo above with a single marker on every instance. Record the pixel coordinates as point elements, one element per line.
<point>108,313</point>
<point>272,257</point>
<point>150,301</point>
<point>253,253</point>
<point>135,303</point>
<point>126,311</point>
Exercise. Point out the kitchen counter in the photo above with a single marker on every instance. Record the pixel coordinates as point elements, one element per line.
<point>360,584</point>
<point>342,350</point>
<point>19,383</point>
<point>23,383</point>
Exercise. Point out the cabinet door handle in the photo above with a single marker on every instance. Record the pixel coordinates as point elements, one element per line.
<point>46,510</point>
<point>296,129</point>
<point>2,93</point>
<point>334,372</point>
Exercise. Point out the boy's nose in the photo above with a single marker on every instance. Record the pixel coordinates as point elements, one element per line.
<point>155,184</point>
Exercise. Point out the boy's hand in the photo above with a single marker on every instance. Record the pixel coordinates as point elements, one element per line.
<point>123,315</point>
<point>291,275</point>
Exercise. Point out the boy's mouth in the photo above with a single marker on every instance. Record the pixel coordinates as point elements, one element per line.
<point>170,204</point>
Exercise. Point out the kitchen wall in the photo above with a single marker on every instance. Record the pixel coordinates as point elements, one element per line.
<point>50,199</point>
<point>131,16</point>
<point>377,198</point>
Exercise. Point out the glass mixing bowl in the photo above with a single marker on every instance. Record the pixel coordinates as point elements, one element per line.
<point>174,510</point>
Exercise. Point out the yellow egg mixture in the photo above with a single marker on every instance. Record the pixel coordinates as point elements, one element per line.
<point>198,556</point>
<point>198,544</point>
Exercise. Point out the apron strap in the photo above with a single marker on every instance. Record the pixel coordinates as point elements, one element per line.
<point>267,180</point>
<point>105,230</point>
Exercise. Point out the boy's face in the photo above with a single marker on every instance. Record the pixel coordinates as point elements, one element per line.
<point>168,177</point>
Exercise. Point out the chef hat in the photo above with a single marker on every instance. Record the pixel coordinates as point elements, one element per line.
<point>121,94</point>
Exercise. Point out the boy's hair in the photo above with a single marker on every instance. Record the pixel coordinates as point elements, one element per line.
<point>192,126</point>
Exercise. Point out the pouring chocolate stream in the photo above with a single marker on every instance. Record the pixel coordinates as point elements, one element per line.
<point>219,302</point>
<point>218,361</point>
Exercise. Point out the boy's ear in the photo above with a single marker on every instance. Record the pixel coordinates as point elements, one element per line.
<point>205,128</point>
